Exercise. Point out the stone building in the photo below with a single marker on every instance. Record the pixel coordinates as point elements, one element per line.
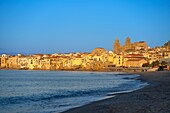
<point>134,60</point>
<point>12,63</point>
<point>128,46</point>
<point>23,62</point>
<point>118,60</point>
<point>141,45</point>
<point>99,51</point>
<point>168,46</point>
<point>4,62</point>
<point>117,46</point>
<point>99,59</point>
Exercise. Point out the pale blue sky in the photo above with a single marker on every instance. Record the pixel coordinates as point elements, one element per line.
<point>50,26</point>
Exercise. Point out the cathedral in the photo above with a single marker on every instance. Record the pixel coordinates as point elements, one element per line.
<point>128,46</point>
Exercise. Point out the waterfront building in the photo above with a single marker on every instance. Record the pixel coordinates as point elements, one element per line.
<point>87,60</point>
<point>130,55</point>
<point>4,62</point>
<point>34,62</point>
<point>5,56</point>
<point>134,60</point>
<point>76,61</point>
<point>45,63</point>
<point>23,62</point>
<point>111,58</point>
<point>12,62</point>
<point>100,59</point>
<point>118,60</point>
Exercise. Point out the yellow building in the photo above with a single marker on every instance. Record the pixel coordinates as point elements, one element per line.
<point>23,62</point>
<point>66,62</point>
<point>99,51</point>
<point>100,59</point>
<point>134,60</point>
<point>97,65</point>
<point>118,60</point>
<point>77,61</point>
<point>34,62</point>
<point>12,63</point>
<point>45,64</point>
<point>4,62</point>
<point>86,61</point>
<point>63,62</point>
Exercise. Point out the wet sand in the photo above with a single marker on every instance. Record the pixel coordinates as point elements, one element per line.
<point>154,98</point>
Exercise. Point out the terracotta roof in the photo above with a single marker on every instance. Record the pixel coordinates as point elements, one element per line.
<point>38,54</point>
<point>134,60</point>
<point>133,55</point>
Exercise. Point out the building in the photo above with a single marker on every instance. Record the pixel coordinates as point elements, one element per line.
<point>34,62</point>
<point>116,46</point>
<point>129,47</point>
<point>134,60</point>
<point>168,46</point>
<point>76,62</point>
<point>4,62</point>
<point>141,45</point>
<point>130,55</point>
<point>23,62</point>
<point>12,63</point>
<point>99,51</point>
<point>118,60</point>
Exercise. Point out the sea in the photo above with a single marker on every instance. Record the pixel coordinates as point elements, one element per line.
<point>24,91</point>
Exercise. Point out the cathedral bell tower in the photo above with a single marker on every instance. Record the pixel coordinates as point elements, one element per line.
<point>117,46</point>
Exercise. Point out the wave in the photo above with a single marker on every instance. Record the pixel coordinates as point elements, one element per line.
<point>46,96</point>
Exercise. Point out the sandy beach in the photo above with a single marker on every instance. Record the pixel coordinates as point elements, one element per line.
<point>155,98</point>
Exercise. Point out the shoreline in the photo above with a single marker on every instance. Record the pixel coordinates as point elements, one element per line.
<point>116,69</point>
<point>154,98</point>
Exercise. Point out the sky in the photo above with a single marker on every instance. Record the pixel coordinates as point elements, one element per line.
<point>63,26</point>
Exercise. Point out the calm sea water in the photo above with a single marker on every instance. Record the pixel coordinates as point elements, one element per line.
<point>56,91</point>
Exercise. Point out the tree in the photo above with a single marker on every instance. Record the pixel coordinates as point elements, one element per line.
<point>145,65</point>
<point>153,64</point>
<point>163,63</point>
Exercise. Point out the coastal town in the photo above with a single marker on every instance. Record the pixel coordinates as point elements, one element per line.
<point>130,55</point>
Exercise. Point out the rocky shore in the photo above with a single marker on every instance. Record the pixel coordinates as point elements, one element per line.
<point>154,98</point>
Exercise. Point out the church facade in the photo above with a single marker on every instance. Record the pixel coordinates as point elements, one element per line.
<point>128,46</point>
